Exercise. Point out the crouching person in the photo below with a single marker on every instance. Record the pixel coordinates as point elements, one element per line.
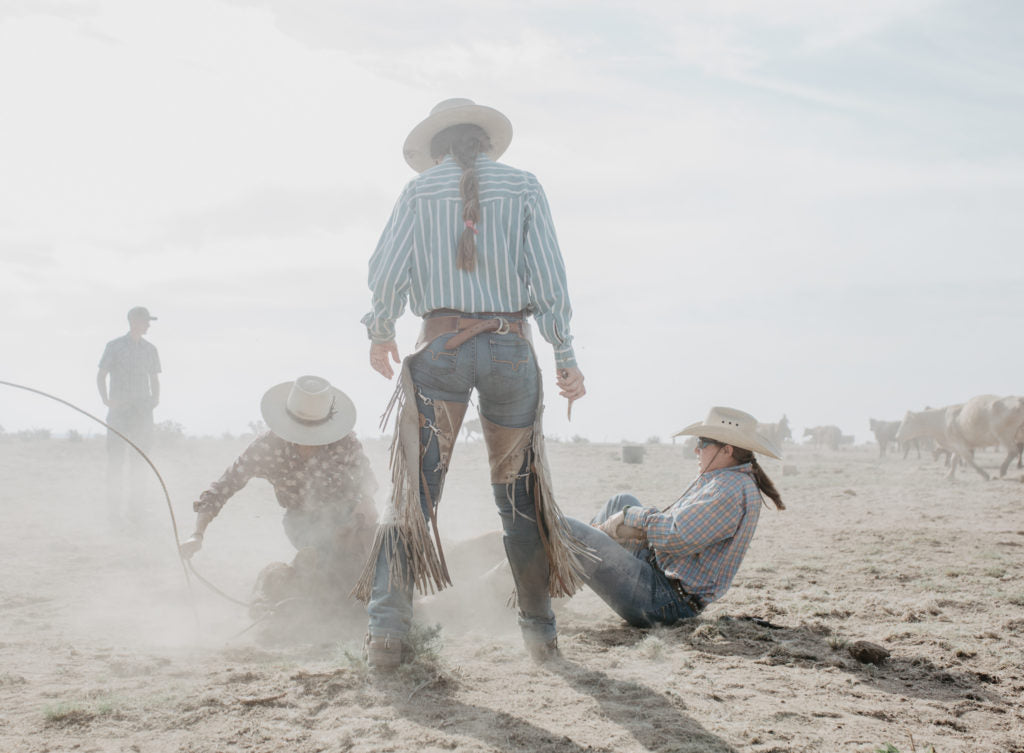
<point>657,567</point>
<point>323,480</point>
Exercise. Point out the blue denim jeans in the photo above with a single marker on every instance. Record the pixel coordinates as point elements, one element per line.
<point>503,370</point>
<point>624,579</point>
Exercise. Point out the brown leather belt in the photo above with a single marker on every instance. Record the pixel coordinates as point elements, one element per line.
<point>468,327</point>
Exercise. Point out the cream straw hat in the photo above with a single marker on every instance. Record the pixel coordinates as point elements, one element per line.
<point>308,411</point>
<point>451,112</point>
<point>731,426</point>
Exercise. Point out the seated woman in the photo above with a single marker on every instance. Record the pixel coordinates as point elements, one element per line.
<point>656,567</point>
<point>322,479</point>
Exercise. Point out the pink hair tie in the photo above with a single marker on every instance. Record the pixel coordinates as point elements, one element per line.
<point>472,226</point>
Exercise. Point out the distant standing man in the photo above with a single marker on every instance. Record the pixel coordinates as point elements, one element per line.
<point>134,367</point>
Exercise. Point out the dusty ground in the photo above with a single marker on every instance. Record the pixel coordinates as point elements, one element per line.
<point>100,649</point>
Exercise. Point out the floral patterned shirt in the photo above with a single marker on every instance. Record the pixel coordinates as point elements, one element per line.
<point>336,475</point>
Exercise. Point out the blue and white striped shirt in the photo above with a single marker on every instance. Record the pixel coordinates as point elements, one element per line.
<point>519,265</point>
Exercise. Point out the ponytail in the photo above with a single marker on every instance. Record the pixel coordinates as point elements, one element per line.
<point>764,484</point>
<point>464,142</point>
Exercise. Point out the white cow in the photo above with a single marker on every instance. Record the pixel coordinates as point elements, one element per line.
<point>825,436</point>
<point>983,421</point>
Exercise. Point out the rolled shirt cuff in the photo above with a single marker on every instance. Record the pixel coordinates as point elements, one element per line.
<point>378,331</point>
<point>634,516</point>
<point>565,358</point>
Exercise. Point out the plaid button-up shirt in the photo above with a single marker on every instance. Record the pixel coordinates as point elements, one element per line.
<point>701,539</point>
<point>337,475</point>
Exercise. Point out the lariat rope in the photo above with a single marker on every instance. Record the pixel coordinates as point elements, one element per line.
<point>186,564</point>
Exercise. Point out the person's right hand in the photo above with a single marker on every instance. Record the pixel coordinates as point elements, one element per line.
<point>616,528</point>
<point>379,353</point>
<point>191,545</point>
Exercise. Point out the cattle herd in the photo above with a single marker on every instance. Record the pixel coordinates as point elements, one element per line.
<point>954,431</point>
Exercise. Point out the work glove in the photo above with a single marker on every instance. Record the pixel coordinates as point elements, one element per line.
<point>618,530</point>
<point>191,545</point>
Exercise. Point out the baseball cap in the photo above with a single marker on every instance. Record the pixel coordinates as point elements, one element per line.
<point>140,312</point>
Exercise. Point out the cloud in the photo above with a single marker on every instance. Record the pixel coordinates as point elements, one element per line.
<point>68,9</point>
<point>274,214</point>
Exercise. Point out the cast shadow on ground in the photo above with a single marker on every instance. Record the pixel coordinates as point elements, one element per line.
<point>811,646</point>
<point>652,719</point>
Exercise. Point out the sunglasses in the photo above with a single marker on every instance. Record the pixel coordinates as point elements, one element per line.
<point>703,442</point>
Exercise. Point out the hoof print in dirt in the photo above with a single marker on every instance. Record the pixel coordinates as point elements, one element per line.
<point>868,653</point>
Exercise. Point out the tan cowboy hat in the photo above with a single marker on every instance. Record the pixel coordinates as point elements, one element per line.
<point>731,426</point>
<point>308,411</point>
<point>451,112</point>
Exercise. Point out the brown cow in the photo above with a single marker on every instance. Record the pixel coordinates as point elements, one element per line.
<point>885,433</point>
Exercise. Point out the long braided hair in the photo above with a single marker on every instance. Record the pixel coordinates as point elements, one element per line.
<point>464,142</point>
<point>764,484</point>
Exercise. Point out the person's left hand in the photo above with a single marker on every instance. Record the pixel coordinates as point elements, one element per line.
<point>570,383</point>
<point>616,527</point>
<point>379,353</point>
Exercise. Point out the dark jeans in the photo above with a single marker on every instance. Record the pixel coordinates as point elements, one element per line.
<point>638,592</point>
<point>135,421</point>
<point>502,369</point>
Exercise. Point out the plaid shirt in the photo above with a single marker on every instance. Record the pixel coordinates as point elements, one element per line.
<point>337,475</point>
<point>701,539</point>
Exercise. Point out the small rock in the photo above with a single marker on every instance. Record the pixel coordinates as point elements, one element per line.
<point>868,653</point>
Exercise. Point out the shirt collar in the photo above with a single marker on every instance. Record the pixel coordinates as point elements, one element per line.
<point>742,468</point>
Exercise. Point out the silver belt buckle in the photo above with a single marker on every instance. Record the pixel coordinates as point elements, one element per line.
<point>503,328</point>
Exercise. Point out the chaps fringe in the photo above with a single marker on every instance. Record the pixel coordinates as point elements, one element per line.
<point>404,524</point>
<point>564,550</point>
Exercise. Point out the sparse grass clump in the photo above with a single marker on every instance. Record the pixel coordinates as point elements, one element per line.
<point>69,713</point>
<point>66,714</point>
<point>837,642</point>
<point>425,642</point>
<point>422,647</point>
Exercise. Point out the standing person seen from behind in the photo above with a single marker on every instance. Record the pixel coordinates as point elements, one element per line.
<point>471,246</point>
<point>656,567</point>
<point>133,365</point>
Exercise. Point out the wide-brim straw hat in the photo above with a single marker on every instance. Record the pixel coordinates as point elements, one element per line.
<point>731,426</point>
<point>308,411</point>
<point>450,112</point>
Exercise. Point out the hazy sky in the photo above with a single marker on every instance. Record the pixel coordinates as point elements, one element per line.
<point>806,207</point>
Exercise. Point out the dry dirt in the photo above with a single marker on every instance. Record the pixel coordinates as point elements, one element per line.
<point>101,648</point>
